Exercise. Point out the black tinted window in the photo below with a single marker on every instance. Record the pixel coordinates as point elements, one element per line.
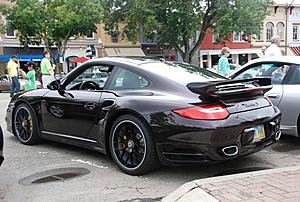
<point>275,71</point>
<point>295,76</point>
<point>125,79</point>
<point>181,72</point>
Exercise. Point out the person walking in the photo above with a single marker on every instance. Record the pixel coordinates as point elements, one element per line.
<point>273,49</point>
<point>223,64</point>
<point>30,76</point>
<point>46,69</point>
<point>12,67</point>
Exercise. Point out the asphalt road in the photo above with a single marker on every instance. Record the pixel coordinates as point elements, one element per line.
<point>105,182</point>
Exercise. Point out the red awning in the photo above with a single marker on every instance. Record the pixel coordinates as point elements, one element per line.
<point>81,60</point>
<point>296,50</point>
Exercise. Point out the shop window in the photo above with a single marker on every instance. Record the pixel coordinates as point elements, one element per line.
<point>10,33</point>
<point>90,35</point>
<point>280,30</point>
<point>295,33</point>
<point>237,36</point>
<point>270,29</point>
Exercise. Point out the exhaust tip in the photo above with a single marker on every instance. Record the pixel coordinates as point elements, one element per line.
<point>230,150</point>
<point>277,135</point>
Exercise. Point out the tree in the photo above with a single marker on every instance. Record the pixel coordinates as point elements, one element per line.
<point>183,23</point>
<point>52,22</point>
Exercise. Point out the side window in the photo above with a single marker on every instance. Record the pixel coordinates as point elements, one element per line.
<point>252,72</point>
<point>93,78</point>
<point>276,72</point>
<point>295,76</point>
<point>125,79</point>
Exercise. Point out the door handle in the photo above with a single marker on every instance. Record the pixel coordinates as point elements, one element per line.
<point>90,106</point>
<point>273,95</point>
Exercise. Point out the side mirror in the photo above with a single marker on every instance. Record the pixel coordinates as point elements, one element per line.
<point>54,85</point>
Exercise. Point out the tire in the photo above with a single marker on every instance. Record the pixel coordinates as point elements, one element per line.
<point>131,146</point>
<point>25,125</point>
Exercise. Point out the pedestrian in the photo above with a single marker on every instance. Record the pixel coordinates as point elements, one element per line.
<point>223,64</point>
<point>30,76</point>
<point>273,49</point>
<point>47,69</point>
<point>12,67</point>
<point>263,50</point>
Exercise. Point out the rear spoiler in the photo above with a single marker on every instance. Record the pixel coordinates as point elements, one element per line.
<point>231,87</point>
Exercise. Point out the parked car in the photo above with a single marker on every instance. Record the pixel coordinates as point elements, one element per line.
<point>1,146</point>
<point>285,75</point>
<point>149,112</point>
<point>5,83</point>
<point>232,67</point>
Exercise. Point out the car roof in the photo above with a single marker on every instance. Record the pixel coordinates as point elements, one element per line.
<point>284,59</point>
<point>135,61</point>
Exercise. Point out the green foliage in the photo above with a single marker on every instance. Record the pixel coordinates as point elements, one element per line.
<point>176,22</point>
<point>52,21</point>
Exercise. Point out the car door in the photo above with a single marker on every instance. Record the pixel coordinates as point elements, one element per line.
<point>122,83</point>
<point>274,70</point>
<point>289,105</point>
<point>75,112</point>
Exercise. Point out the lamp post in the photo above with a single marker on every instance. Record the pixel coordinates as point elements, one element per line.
<point>286,29</point>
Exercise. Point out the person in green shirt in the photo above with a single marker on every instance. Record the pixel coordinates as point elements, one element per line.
<point>30,76</point>
<point>47,70</point>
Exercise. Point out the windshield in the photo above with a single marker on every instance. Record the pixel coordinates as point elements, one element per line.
<point>181,72</point>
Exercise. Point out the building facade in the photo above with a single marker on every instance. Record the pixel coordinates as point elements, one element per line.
<point>274,24</point>
<point>210,49</point>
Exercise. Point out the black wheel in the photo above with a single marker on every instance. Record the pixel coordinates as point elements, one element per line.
<point>131,146</point>
<point>25,125</point>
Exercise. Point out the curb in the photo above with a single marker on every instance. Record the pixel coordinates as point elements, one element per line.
<point>191,191</point>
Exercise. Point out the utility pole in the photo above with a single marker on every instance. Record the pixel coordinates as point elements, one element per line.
<point>286,28</point>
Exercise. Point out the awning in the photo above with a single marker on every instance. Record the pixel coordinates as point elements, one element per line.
<point>124,52</point>
<point>22,58</point>
<point>81,60</point>
<point>295,50</point>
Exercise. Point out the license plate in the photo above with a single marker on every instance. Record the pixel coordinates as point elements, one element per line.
<point>259,133</point>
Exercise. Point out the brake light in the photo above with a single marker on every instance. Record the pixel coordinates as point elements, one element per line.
<point>270,102</point>
<point>206,112</point>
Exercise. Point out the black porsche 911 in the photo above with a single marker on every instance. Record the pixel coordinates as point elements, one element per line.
<point>147,112</point>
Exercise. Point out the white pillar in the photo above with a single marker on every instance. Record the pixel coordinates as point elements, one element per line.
<point>209,62</point>
<point>200,61</point>
<point>249,57</point>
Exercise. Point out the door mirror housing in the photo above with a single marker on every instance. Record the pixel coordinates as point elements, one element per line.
<point>54,85</point>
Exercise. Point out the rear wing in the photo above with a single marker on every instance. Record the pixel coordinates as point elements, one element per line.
<point>231,87</point>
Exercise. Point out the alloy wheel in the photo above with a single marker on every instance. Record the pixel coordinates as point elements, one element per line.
<point>23,124</point>
<point>128,143</point>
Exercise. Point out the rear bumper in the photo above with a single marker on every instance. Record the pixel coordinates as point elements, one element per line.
<point>186,141</point>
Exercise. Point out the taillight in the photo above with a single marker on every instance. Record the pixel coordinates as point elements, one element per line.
<point>270,102</point>
<point>206,112</point>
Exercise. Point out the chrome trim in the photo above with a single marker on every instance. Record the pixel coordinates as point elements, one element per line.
<point>70,136</point>
<point>231,154</point>
<point>277,135</point>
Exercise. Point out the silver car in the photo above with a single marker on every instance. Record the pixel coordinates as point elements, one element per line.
<point>285,75</point>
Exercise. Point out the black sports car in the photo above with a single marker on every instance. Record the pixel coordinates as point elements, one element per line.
<point>148,112</point>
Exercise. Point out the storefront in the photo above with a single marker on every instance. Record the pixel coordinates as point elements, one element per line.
<point>209,58</point>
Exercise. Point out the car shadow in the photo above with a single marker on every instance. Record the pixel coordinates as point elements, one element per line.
<point>249,163</point>
<point>287,144</point>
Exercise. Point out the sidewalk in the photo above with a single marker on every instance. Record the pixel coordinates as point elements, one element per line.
<point>282,184</point>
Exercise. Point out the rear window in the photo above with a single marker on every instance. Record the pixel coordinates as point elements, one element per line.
<point>181,72</point>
